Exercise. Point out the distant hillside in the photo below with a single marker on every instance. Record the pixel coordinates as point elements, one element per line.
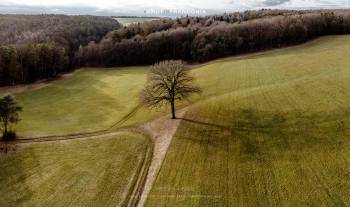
<point>52,38</point>
<point>199,39</point>
<point>126,21</point>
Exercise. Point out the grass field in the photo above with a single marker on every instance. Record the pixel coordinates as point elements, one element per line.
<point>270,130</point>
<point>128,21</point>
<point>89,100</point>
<point>88,172</point>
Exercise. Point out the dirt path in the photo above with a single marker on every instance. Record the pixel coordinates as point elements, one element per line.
<point>162,131</point>
<point>20,88</point>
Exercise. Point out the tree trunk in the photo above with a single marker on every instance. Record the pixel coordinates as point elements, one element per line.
<point>5,128</point>
<point>173,109</point>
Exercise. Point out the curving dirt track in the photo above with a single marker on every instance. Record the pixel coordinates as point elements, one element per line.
<point>160,130</point>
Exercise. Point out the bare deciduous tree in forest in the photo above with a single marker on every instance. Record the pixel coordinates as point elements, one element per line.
<point>169,81</point>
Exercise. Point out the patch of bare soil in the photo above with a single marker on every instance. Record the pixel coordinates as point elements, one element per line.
<point>162,131</point>
<point>23,88</point>
<point>32,86</point>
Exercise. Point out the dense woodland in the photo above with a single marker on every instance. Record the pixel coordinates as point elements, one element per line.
<point>42,46</point>
<point>36,47</point>
<point>198,39</point>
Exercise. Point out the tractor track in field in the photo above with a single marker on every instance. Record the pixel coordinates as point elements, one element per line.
<point>69,137</point>
<point>82,135</point>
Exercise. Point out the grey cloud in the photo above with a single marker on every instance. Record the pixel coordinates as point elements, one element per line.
<point>25,9</point>
<point>90,10</point>
<point>141,10</point>
<point>274,2</point>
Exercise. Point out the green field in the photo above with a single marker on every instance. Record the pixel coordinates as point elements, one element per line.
<point>127,21</point>
<point>270,129</point>
<point>89,100</point>
<point>88,172</point>
<point>274,132</point>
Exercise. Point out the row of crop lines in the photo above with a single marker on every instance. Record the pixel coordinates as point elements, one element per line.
<point>250,182</point>
<point>74,172</point>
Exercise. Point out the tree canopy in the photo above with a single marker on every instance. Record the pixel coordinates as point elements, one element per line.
<point>9,113</point>
<point>169,81</point>
<point>34,47</point>
<point>199,39</point>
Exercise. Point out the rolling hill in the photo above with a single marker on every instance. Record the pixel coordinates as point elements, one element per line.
<point>270,129</point>
<point>274,132</point>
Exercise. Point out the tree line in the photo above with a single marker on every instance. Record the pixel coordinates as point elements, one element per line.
<point>148,27</point>
<point>198,39</point>
<point>28,63</point>
<point>34,47</point>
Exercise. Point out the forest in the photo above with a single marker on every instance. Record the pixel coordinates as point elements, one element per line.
<point>199,39</point>
<point>34,47</point>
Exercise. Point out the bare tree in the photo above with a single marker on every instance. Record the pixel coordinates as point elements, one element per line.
<point>169,81</point>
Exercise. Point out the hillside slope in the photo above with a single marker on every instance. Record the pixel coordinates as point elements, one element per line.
<point>274,132</point>
<point>98,171</point>
<point>89,100</point>
<point>270,129</point>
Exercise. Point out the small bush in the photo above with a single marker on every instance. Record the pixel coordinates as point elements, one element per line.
<point>9,136</point>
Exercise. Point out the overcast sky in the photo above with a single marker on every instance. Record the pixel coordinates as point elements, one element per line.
<point>109,7</point>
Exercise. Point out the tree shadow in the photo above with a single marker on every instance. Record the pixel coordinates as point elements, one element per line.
<point>257,132</point>
<point>204,123</point>
<point>7,147</point>
<point>247,120</point>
